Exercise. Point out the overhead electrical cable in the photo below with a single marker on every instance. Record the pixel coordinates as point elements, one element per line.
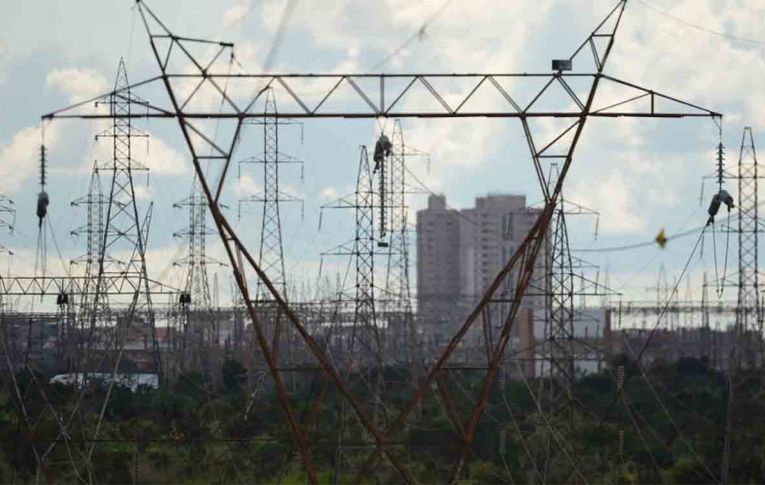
<point>419,34</point>
<point>647,342</point>
<point>700,28</point>
<point>274,49</point>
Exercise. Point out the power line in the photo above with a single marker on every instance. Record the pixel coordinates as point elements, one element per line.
<point>628,247</point>
<point>272,51</point>
<point>419,34</point>
<point>699,27</point>
<point>652,242</point>
<point>239,19</point>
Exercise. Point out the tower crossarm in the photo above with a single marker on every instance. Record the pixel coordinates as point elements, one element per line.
<point>392,95</point>
<point>77,285</point>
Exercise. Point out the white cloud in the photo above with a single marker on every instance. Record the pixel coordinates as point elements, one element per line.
<point>159,157</point>
<point>635,173</point>
<point>457,143</point>
<point>77,84</point>
<point>246,186</point>
<point>614,199</point>
<point>165,160</point>
<point>143,192</point>
<point>235,14</point>
<point>291,191</point>
<point>19,157</point>
<point>328,193</point>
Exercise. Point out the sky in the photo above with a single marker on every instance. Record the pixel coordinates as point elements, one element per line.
<point>641,175</point>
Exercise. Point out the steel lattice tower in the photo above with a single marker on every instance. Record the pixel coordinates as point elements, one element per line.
<point>271,249</point>
<point>561,345</point>
<point>398,292</point>
<point>362,351</point>
<point>7,221</point>
<point>93,230</point>
<point>196,277</point>
<point>746,350</point>
<point>7,217</point>
<point>198,325</point>
<point>396,280</point>
<point>124,230</point>
<point>364,316</point>
<point>748,314</point>
<point>561,313</point>
<point>559,332</point>
<point>364,346</point>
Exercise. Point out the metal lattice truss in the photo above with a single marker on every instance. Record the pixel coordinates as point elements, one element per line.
<point>93,230</point>
<point>196,261</point>
<point>397,275</point>
<point>365,343</point>
<point>750,317</point>
<point>77,285</point>
<point>123,228</point>
<point>7,213</point>
<point>191,74</point>
<point>7,216</point>
<point>271,254</point>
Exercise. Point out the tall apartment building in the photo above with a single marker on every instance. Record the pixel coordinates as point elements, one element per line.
<point>459,253</point>
<point>438,254</point>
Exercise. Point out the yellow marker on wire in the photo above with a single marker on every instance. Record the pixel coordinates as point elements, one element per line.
<point>661,239</point>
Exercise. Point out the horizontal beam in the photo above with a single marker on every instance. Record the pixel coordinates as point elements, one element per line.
<point>78,285</point>
<point>712,308</point>
<point>369,96</point>
<point>418,114</point>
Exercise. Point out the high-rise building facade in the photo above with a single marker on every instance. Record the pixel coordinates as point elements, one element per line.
<point>438,254</point>
<point>460,252</point>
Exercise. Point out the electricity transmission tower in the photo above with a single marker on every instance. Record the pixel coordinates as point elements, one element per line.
<point>271,247</point>
<point>565,341</point>
<point>566,96</point>
<point>7,217</point>
<point>196,287</point>
<point>7,221</point>
<point>746,350</point>
<point>124,230</point>
<point>398,297</point>
<point>94,203</point>
<point>271,252</point>
<point>199,324</point>
<point>749,313</point>
<point>93,230</point>
<point>365,345</point>
<point>360,348</point>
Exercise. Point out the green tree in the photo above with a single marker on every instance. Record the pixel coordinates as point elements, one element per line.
<point>234,375</point>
